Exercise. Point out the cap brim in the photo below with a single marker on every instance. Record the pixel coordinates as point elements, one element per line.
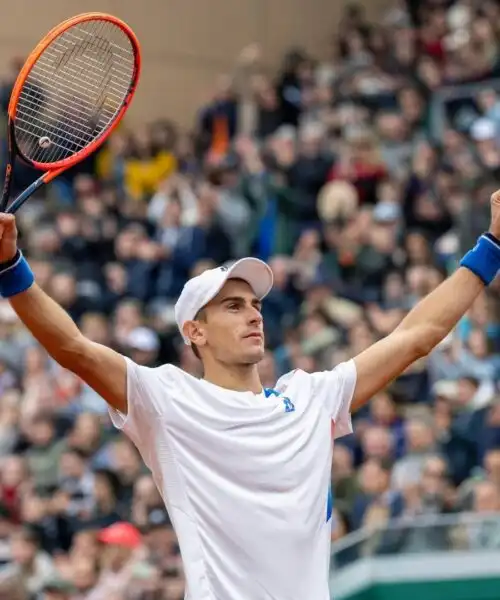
<point>255,272</point>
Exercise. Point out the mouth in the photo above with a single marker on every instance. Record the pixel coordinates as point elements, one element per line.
<point>256,335</point>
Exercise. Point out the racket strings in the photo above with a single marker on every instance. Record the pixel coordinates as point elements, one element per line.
<point>74,91</point>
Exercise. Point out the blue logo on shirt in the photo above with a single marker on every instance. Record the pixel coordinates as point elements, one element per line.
<point>287,403</point>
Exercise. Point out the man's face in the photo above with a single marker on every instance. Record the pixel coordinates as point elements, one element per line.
<point>232,329</point>
<point>115,557</point>
<point>23,551</point>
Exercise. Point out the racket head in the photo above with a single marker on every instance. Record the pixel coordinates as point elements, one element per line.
<point>73,90</point>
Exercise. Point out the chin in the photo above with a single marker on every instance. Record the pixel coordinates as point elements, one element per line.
<point>253,357</point>
<point>259,355</point>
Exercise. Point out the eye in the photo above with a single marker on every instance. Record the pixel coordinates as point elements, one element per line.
<point>233,306</point>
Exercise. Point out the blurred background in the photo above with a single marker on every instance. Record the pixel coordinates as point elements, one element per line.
<point>354,146</point>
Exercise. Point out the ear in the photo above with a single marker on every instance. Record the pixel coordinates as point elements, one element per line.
<point>195,332</point>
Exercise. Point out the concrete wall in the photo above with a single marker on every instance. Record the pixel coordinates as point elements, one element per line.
<point>185,43</point>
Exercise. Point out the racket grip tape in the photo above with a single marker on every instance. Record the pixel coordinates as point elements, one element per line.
<point>484,259</point>
<point>16,276</point>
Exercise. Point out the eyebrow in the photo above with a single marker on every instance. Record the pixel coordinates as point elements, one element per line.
<point>240,299</point>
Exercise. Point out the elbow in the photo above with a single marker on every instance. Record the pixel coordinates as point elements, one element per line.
<point>71,356</point>
<point>426,338</point>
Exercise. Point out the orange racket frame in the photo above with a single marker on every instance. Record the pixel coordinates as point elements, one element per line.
<point>56,168</point>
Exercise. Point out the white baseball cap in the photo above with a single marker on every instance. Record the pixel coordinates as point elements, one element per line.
<point>199,290</point>
<point>483,130</point>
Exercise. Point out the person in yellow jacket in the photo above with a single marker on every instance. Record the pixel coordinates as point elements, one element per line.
<point>141,163</point>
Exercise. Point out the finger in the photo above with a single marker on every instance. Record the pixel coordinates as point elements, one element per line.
<point>9,227</point>
<point>7,219</point>
<point>9,222</point>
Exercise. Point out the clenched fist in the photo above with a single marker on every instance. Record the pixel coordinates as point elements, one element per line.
<point>8,237</point>
<point>495,214</point>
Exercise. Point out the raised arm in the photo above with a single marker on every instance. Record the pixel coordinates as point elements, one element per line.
<point>100,367</point>
<point>433,318</point>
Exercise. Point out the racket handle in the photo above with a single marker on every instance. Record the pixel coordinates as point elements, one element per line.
<point>31,189</point>
<point>21,199</point>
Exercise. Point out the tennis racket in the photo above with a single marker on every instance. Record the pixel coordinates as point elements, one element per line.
<point>71,93</point>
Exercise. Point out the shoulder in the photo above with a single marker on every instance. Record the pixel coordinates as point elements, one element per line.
<point>332,390</point>
<point>291,377</point>
<point>151,392</point>
<point>163,372</point>
<point>343,372</point>
<point>147,381</point>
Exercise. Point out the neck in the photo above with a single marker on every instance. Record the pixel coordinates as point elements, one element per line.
<point>240,378</point>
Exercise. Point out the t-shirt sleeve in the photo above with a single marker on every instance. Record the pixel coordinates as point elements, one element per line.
<point>142,410</point>
<point>335,390</point>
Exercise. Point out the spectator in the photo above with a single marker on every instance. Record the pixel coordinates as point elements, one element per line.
<point>33,565</point>
<point>486,502</point>
<point>419,445</point>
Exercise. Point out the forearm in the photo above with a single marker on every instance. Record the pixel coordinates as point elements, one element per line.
<point>49,323</point>
<point>433,318</point>
<point>103,369</point>
<point>425,326</point>
<point>438,313</point>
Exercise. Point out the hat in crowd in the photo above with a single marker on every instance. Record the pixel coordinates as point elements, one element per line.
<point>483,130</point>
<point>285,132</point>
<point>199,290</point>
<point>121,534</point>
<point>386,212</point>
<point>143,339</point>
<point>158,517</point>
<point>445,389</point>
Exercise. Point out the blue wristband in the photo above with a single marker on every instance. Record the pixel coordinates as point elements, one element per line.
<point>484,259</point>
<point>16,276</point>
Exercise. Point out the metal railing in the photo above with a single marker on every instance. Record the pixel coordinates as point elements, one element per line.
<point>427,533</point>
<point>454,106</point>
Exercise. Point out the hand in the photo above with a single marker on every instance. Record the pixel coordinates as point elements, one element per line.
<point>250,55</point>
<point>8,237</point>
<point>495,215</point>
<point>245,147</point>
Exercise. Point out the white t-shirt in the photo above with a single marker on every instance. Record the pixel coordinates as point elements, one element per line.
<point>245,477</point>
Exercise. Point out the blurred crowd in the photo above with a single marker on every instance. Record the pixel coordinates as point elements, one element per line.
<point>362,178</point>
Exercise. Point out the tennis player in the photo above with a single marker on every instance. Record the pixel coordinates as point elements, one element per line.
<point>244,471</point>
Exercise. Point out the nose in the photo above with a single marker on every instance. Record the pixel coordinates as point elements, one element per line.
<point>255,318</point>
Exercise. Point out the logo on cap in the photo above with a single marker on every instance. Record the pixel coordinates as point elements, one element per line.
<point>223,268</point>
